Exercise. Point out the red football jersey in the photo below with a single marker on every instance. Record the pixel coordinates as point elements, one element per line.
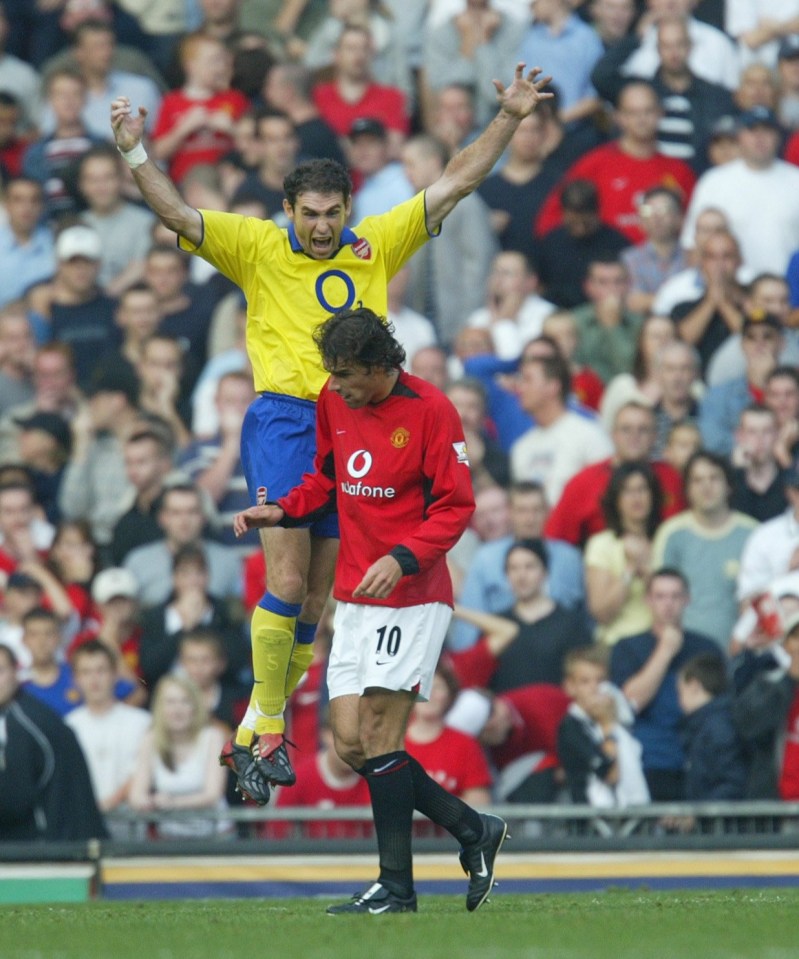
<point>204,145</point>
<point>456,761</point>
<point>398,473</point>
<point>578,513</point>
<point>383,103</point>
<point>621,179</point>
<point>314,788</point>
<point>537,712</point>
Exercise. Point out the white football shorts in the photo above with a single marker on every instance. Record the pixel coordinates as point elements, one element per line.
<point>386,647</point>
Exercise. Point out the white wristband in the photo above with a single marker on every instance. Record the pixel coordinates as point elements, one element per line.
<point>134,157</point>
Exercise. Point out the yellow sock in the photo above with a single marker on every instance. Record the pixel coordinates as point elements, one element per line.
<point>301,657</point>
<point>246,729</point>
<point>272,643</point>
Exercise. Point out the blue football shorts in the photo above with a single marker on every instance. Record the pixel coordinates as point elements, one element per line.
<point>278,445</point>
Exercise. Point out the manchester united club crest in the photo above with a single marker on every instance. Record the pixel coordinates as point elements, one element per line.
<point>362,249</point>
<point>400,437</point>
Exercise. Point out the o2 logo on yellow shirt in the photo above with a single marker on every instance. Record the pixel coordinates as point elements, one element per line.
<point>329,291</point>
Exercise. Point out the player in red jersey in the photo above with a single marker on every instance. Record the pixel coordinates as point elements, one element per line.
<point>391,458</point>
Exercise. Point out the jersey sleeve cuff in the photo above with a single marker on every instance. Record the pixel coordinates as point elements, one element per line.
<point>409,564</point>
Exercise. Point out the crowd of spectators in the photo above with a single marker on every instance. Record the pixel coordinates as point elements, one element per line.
<point>614,313</point>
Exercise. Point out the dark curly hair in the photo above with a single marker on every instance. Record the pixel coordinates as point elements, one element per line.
<point>359,336</point>
<point>612,494</point>
<point>317,176</point>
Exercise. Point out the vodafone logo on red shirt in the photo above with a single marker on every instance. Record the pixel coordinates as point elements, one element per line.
<point>358,465</point>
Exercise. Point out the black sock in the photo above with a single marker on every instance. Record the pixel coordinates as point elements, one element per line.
<point>391,789</point>
<point>444,809</point>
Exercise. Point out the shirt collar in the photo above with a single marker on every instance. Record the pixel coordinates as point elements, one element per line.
<point>347,239</point>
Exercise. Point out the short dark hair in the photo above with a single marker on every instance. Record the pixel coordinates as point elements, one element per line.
<point>21,178</point>
<point>613,491</point>
<point>190,554</point>
<point>151,436</point>
<point>102,150</point>
<point>205,636</point>
<point>526,487</point>
<point>93,647</point>
<point>709,670</point>
<point>42,614</point>
<point>535,546</point>
<point>270,113</point>
<point>714,459</point>
<point>359,336</point>
<point>554,368</point>
<point>784,371</point>
<point>580,196</point>
<point>669,572</point>
<point>317,176</point>
<point>665,191</point>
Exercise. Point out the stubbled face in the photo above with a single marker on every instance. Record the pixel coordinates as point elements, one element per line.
<point>319,219</point>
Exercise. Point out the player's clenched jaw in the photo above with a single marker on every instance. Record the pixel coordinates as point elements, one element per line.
<point>319,219</point>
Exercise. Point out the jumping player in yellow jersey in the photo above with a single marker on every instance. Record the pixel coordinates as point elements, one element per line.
<point>294,279</point>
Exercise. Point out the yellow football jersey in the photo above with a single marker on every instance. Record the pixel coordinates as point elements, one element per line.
<point>289,294</point>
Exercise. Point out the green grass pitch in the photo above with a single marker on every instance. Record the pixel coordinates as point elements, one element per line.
<point>617,924</point>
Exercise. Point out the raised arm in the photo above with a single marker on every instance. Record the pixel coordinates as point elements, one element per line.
<point>159,192</point>
<point>470,166</point>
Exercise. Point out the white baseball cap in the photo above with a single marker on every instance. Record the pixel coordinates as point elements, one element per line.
<point>78,241</point>
<point>114,582</point>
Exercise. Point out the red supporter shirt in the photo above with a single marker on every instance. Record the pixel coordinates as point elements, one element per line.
<point>588,387</point>
<point>254,579</point>
<point>456,761</point>
<point>11,155</point>
<point>399,476</point>
<point>789,773</point>
<point>204,145</point>
<point>578,513</point>
<point>792,149</point>
<point>620,179</point>
<point>314,789</point>
<point>386,104</point>
<point>537,711</point>
<point>129,647</point>
<point>302,727</point>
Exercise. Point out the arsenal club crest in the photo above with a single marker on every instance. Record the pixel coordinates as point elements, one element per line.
<point>362,249</point>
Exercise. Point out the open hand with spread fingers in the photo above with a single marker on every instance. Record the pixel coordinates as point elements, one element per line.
<point>524,93</point>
